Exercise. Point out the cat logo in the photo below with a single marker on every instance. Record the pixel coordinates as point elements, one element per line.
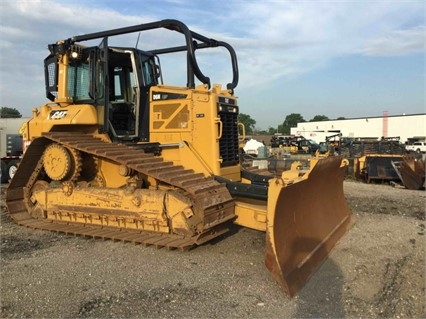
<point>57,115</point>
<point>156,97</point>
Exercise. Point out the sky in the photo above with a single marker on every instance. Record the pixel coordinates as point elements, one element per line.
<point>336,58</point>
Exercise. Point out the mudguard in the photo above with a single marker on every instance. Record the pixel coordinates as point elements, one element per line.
<point>305,219</point>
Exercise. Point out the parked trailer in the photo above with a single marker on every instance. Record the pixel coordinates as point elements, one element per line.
<point>9,162</point>
<point>10,146</point>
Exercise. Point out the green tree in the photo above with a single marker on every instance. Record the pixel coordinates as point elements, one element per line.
<point>247,121</point>
<point>318,118</point>
<point>341,118</point>
<point>272,130</point>
<point>290,121</point>
<point>9,112</point>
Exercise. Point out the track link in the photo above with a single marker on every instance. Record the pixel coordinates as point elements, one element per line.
<point>207,194</point>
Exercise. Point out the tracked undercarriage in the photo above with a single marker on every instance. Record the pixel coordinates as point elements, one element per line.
<point>61,187</point>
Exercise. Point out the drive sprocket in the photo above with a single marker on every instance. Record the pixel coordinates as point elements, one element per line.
<point>61,163</point>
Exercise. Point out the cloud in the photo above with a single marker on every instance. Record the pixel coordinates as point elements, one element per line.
<point>288,38</point>
<point>398,42</point>
<point>27,27</point>
<point>274,40</point>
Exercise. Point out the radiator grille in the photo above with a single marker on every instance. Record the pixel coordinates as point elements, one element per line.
<point>228,143</point>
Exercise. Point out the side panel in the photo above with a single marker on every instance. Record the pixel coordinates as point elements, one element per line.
<point>184,118</point>
<point>197,129</point>
<point>73,117</point>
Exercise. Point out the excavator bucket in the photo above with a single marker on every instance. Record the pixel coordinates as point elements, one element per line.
<point>305,219</point>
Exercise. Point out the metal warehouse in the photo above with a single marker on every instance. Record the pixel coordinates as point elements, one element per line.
<point>407,127</point>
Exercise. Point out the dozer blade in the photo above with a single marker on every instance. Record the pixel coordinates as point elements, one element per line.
<point>305,219</point>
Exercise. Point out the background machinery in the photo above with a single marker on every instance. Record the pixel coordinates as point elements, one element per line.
<point>11,156</point>
<point>10,146</point>
<point>117,154</point>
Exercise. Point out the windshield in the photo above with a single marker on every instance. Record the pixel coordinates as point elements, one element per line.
<point>78,80</point>
<point>148,69</point>
<point>313,142</point>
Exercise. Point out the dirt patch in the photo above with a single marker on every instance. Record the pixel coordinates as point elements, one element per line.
<point>384,199</point>
<point>376,270</point>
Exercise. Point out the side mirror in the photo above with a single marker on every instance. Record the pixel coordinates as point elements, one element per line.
<point>157,71</point>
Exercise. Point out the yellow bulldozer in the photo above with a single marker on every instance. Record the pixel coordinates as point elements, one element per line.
<point>117,154</point>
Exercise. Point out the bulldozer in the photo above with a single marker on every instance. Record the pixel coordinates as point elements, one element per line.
<point>117,154</point>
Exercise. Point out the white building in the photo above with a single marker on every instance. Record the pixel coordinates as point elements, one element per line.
<point>402,126</point>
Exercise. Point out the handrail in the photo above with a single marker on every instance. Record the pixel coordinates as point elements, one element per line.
<point>191,39</point>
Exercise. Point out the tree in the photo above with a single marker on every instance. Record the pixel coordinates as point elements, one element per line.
<point>318,118</point>
<point>272,130</point>
<point>9,112</point>
<point>247,121</point>
<point>341,118</point>
<point>290,121</point>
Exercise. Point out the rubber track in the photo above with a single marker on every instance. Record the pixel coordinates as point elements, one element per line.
<point>199,188</point>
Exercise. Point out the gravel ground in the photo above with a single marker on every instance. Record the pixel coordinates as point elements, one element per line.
<point>376,270</point>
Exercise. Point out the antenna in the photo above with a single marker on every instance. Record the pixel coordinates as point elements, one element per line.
<point>137,41</point>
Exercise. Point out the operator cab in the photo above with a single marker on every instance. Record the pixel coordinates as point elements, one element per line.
<point>128,102</point>
<point>115,80</point>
